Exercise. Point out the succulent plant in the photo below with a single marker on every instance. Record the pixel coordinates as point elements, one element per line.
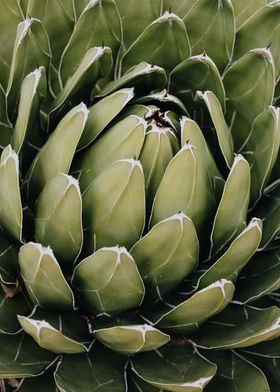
<point>139,196</point>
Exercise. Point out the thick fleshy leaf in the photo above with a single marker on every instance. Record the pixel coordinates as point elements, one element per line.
<point>144,78</point>
<point>191,193</point>
<point>10,17</point>
<point>52,159</point>
<point>58,219</point>
<point>108,281</point>
<point>166,34</point>
<point>268,209</point>
<point>100,369</point>
<point>114,206</point>
<point>5,125</point>
<point>234,374</point>
<point>132,339</point>
<point>10,200</point>
<point>266,21</point>
<point>98,25</point>
<point>31,44</point>
<point>240,326</point>
<point>271,369</point>
<point>166,255</point>
<point>20,356</point>
<point>175,368</point>
<point>183,314</point>
<point>8,260</point>
<point>197,73</point>
<point>102,113</point>
<point>261,276</point>
<point>58,19</point>
<point>26,137</point>
<point>269,349</point>
<point>231,214</point>
<point>219,18</point>
<point>121,141</point>
<point>249,83</point>
<point>236,256</point>
<point>223,133</point>
<point>243,11</point>
<point>10,307</point>
<point>60,333</point>
<point>136,384</point>
<point>159,148</point>
<point>94,64</point>
<point>43,278</point>
<point>147,11</point>
<point>261,149</point>
<point>191,133</point>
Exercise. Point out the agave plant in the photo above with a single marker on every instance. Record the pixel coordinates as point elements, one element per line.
<point>139,196</point>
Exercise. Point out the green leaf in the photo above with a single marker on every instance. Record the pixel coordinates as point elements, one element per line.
<point>175,368</point>
<point>10,307</point>
<point>10,199</point>
<point>100,369</point>
<point>240,326</point>
<point>20,356</point>
<point>243,11</point>
<point>191,133</point>
<point>223,133</point>
<point>183,314</point>
<point>132,339</point>
<point>270,367</point>
<point>102,113</point>
<point>95,63</point>
<point>42,383</point>
<point>234,373</point>
<point>208,22</point>
<point>114,206</point>
<point>147,11</point>
<point>268,209</point>
<point>236,256</point>
<point>60,333</point>
<point>26,136</point>
<point>31,44</point>
<point>265,20</point>
<point>5,125</point>
<point>52,159</point>
<point>164,100</point>
<point>10,17</point>
<point>249,83</point>
<point>144,78</point>
<point>179,192</point>
<point>108,281</point>
<point>58,19</point>
<point>260,277</point>
<point>166,34</point>
<point>98,25</point>
<point>269,349</point>
<point>166,255</point>
<point>8,260</point>
<point>43,278</point>
<point>231,214</point>
<point>193,74</point>
<point>121,141</point>
<point>159,148</point>
<point>261,150</point>
<point>58,219</point>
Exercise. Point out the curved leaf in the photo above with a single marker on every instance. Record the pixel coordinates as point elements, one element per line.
<point>166,255</point>
<point>108,281</point>
<point>10,200</point>
<point>231,215</point>
<point>114,206</point>
<point>8,260</point>
<point>166,34</point>
<point>43,278</point>
<point>175,368</point>
<point>121,141</point>
<point>132,339</point>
